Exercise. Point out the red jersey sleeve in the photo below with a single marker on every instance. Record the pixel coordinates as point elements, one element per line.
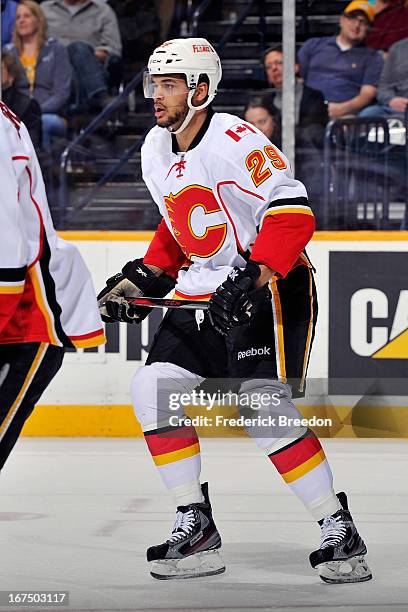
<point>164,252</point>
<point>282,238</point>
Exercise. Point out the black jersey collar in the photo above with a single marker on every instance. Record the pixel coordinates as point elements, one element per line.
<point>198,137</point>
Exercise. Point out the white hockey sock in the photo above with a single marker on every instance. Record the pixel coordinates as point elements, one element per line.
<point>188,493</point>
<point>175,450</point>
<point>303,466</point>
<point>324,506</point>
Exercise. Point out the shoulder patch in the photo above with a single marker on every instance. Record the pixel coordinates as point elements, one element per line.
<point>239,130</point>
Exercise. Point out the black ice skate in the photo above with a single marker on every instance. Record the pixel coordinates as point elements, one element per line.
<point>340,557</point>
<point>192,550</point>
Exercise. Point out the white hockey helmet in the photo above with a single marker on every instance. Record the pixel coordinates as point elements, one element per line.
<point>189,56</point>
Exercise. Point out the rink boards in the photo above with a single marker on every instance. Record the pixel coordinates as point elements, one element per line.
<point>358,366</point>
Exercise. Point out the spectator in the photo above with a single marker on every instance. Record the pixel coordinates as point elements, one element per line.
<point>8,17</point>
<point>26,108</point>
<point>261,112</point>
<point>390,24</point>
<point>90,31</point>
<point>310,105</point>
<point>392,93</point>
<point>165,10</point>
<point>47,71</point>
<point>139,28</point>
<point>311,119</point>
<point>341,67</point>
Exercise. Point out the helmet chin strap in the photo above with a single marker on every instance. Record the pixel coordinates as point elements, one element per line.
<point>185,123</point>
<point>191,110</point>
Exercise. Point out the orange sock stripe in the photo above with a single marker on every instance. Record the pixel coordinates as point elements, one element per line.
<point>296,453</point>
<point>177,455</point>
<point>306,467</point>
<point>168,441</point>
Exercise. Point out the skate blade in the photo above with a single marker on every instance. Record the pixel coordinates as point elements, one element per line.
<point>350,570</point>
<point>206,563</point>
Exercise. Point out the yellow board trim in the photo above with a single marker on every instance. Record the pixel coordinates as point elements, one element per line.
<point>361,236</point>
<point>319,236</point>
<point>306,467</point>
<point>177,455</point>
<point>107,236</point>
<point>11,289</point>
<point>120,421</point>
<point>71,421</point>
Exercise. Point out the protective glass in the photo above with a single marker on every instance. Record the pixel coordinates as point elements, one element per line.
<point>162,86</point>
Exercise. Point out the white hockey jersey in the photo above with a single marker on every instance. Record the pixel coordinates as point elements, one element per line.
<point>230,197</point>
<point>46,292</point>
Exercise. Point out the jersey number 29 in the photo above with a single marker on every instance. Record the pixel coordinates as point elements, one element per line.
<point>256,161</point>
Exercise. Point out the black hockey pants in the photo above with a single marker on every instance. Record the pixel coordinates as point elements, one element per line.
<point>26,370</point>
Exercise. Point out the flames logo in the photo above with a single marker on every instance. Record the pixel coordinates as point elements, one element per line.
<point>197,221</point>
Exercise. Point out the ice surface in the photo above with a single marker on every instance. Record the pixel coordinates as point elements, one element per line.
<point>78,514</point>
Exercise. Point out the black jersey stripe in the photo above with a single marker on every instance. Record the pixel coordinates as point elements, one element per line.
<point>50,293</point>
<point>300,201</point>
<point>12,275</point>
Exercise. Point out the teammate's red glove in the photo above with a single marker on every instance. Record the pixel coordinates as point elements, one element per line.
<point>231,305</point>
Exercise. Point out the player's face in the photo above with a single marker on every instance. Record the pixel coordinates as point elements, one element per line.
<point>260,118</point>
<point>274,68</point>
<point>170,101</point>
<point>26,22</point>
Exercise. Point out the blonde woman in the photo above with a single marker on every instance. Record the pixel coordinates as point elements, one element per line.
<point>27,109</point>
<point>47,70</point>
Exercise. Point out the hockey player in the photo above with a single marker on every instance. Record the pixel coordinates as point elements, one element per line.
<point>47,300</point>
<point>235,224</point>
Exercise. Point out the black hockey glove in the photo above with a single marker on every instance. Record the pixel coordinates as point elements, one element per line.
<point>135,280</point>
<point>231,305</point>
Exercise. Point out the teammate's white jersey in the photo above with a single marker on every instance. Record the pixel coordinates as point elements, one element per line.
<point>46,292</point>
<point>215,196</point>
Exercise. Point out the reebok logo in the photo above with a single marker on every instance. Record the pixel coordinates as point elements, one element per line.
<point>141,272</point>
<point>254,352</point>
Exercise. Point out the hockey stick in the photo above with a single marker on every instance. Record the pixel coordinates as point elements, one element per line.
<point>152,302</point>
